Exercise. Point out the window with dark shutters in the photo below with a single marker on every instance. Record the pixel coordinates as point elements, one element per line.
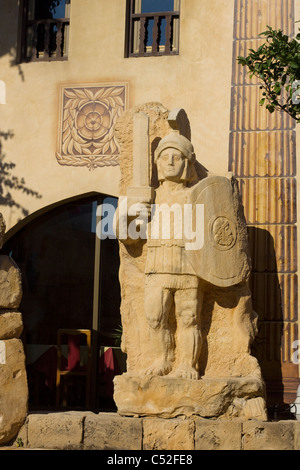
<point>45,29</point>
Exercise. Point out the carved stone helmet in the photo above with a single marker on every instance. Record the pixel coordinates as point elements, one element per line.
<point>181,143</point>
<point>177,141</point>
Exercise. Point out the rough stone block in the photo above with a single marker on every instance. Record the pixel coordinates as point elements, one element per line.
<point>55,430</point>
<point>108,431</point>
<point>11,324</point>
<point>217,435</point>
<point>21,439</point>
<point>255,408</point>
<point>170,397</point>
<point>168,434</point>
<point>13,389</point>
<point>268,435</point>
<point>10,283</point>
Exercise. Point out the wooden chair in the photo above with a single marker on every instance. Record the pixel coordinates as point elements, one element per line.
<point>72,338</point>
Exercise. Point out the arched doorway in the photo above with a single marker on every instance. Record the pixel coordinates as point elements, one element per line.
<point>70,280</point>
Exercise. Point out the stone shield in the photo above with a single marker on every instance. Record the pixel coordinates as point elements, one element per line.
<point>223,260</point>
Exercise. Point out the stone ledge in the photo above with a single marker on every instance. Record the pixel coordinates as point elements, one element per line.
<point>270,436</point>
<point>109,431</point>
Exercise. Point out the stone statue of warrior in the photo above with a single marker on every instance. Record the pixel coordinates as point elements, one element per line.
<point>184,268</point>
<point>170,279</point>
<point>173,272</point>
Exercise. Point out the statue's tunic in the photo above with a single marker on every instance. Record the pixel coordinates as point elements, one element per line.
<point>166,257</point>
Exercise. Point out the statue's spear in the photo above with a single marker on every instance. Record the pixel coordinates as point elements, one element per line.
<point>141,190</point>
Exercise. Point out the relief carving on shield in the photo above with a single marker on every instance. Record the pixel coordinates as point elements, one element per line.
<point>224,259</point>
<point>223,233</point>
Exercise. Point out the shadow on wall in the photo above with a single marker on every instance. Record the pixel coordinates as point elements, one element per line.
<point>9,25</point>
<point>268,285</point>
<point>14,62</point>
<point>10,183</point>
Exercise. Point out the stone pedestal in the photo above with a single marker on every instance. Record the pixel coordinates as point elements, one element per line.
<point>168,397</point>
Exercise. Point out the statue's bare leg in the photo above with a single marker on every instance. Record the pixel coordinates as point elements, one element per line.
<point>158,304</point>
<point>188,304</point>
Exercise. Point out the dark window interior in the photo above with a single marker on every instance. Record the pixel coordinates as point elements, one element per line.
<point>45,30</point>
<point>151,6</point>
<point>56,253</point>
<point>152,28</point>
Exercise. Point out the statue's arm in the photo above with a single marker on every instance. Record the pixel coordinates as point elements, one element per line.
<point>131,214</point>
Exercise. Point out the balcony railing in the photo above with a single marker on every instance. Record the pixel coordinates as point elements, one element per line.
<point>154,33</point>
<point>46,39</point>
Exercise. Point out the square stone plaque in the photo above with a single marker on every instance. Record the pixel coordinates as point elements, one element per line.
<point>86,124</point>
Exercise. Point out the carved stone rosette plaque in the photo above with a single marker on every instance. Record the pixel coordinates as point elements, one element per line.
<point>87,117</point>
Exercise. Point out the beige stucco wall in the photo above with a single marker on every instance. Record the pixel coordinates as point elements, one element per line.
<point>198,80</point>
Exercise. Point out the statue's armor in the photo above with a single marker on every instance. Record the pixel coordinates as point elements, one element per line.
<point>168,256</point>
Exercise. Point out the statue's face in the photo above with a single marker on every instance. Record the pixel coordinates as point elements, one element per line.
<point>172,163</point>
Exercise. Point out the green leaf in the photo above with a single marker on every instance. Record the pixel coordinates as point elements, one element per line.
<point>277,89</point>
<point>270,108</point>
<point>276,64</point>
